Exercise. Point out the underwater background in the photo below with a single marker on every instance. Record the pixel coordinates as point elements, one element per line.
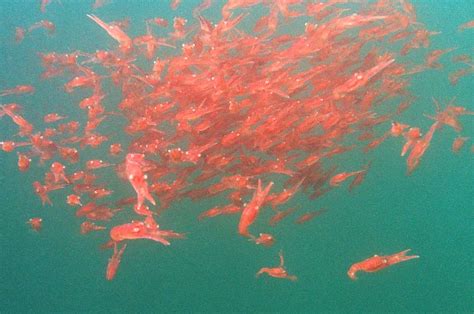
<point>430,211</point>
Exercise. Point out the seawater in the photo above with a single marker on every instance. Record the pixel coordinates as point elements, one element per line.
<point>213,270</point>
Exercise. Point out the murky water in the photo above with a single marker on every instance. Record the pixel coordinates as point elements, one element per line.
<point>213,270</point>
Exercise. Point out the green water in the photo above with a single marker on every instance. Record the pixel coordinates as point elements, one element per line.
<point>213,270</point>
